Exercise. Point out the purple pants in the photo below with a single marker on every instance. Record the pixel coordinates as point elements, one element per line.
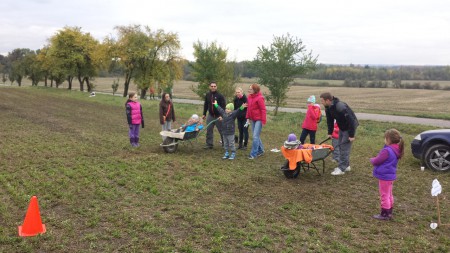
<point>134,131</point>
<point>386,196</point>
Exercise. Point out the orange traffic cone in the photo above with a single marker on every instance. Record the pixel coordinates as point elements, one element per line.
<point>32,225</point>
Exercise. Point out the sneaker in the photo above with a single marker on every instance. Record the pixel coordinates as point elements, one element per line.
<point>226,156</point>
<point>261,154</point>
<point>337,172</point>
<point>250,157</point>
<point>348,169</point>
<point>232,156</point>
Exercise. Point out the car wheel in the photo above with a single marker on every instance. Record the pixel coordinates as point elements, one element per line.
<point>437,158</point>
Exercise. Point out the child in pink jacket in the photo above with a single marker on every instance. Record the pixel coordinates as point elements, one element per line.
<point>309,125</point>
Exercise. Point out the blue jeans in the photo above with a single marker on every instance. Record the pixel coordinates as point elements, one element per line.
<point>257,145</point>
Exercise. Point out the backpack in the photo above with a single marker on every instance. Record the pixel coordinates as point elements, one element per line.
<point>319,113</point>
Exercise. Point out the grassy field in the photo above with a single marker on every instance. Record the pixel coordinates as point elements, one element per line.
<point>97,194</point>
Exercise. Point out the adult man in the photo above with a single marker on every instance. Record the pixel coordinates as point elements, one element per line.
<point>347,122</point>
<point>213,113</point>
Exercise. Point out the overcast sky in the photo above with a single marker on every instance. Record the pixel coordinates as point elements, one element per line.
<point>398,32</point>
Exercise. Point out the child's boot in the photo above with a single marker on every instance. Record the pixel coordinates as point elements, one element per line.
<point>232,156</point>
<point>383,215</point>
<point>390,215</point>
<point>136,141</point>
<point>132,141</point>
<point>226,156</point>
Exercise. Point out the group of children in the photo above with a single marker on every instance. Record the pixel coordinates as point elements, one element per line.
<point>385,163</point>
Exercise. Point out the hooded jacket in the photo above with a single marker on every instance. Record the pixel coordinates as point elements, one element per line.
<point>344,116</point>
<point>385,163</point>
<point>311,117</point>
<point>256,109</point>
<point>228,126</point>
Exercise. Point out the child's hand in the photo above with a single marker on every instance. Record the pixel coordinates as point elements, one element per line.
<point>245,105</point>
<point>215,102</point>
<point>246,124</point>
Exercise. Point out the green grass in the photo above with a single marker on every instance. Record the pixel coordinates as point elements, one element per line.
<point>97,194</point>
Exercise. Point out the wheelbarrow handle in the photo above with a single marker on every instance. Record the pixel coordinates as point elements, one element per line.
<point>325,140</point>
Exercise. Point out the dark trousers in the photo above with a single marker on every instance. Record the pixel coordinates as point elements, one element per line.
<point>243,132</point>
<point>312,136</point>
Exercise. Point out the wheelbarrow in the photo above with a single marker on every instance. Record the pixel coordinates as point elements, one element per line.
<point>304,158</point>
<point>174,137</point>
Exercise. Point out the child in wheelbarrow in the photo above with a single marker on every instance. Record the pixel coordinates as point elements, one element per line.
<point>228,128</point>
<point>194,123</point>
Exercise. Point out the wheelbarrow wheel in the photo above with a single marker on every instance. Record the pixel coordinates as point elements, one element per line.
<point>290,173</point>
<point>171,148</point>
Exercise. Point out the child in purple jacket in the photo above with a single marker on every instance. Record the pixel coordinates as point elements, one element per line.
<point>385,169</point>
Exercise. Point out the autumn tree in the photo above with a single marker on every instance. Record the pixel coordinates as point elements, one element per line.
<point>150,57</point>
<point>16,59</point>
<point>75,54</point>
<point>211,65</point>
<point>33,68</point>
<point>278,64</point>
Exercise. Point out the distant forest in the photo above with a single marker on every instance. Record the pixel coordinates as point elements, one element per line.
<point>377,76</point>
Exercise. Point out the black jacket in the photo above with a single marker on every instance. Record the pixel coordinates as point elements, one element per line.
<point>344,116</point>
<point>237,104</point>
<point>209,106</point>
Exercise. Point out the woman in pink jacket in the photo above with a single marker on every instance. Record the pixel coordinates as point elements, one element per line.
<point>256,115</point>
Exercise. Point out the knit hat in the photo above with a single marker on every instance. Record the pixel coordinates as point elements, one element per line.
<point>292,137</point>
<point>312,99</point>
<point>194,116</point>
<point>230,106</point>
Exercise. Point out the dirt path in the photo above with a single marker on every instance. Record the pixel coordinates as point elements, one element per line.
<point>362,116</point>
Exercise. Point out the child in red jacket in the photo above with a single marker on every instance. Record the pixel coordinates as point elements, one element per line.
<point>335,142</point>
<point>309,125</point>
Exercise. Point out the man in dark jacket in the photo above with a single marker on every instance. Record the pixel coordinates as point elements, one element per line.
<point>347,122</point>
<point>213,114</point>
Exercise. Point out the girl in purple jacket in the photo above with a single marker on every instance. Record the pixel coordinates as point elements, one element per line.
<point>385,169</point>
<point>134,118</point>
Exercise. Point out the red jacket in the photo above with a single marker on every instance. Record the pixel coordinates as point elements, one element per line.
<point>311,117</point>
<point>335,134</point>
<point>256,109</point>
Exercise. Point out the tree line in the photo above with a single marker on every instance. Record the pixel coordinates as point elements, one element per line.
<point>151,58</point>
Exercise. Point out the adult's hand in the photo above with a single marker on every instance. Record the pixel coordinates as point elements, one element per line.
<point>204,117</point>
<point>351,138</point>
